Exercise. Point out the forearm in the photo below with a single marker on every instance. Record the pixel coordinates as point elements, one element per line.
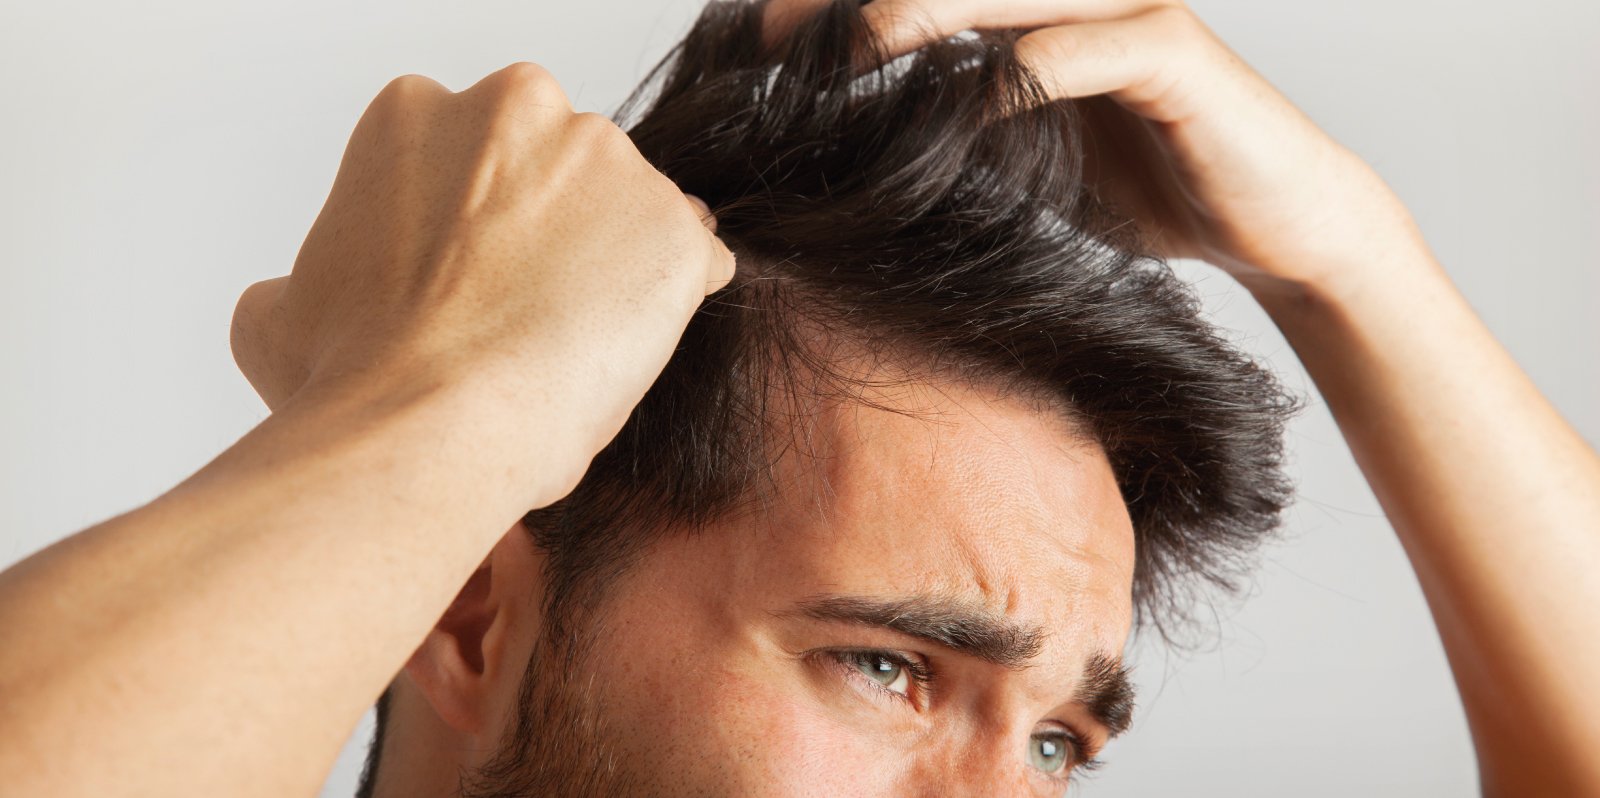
<point>224,639</point>
<point>1495,498</point>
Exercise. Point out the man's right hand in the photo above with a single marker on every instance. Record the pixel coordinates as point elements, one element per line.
<point>492,285</point>
<point>492,239</point>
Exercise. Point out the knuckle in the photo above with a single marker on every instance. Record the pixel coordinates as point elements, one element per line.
<point>527,74</point>
<point>408,83</point>
<point>1173,23</point>
<point>402,99</point>
<point>407,91</point>
<point>530,83</point>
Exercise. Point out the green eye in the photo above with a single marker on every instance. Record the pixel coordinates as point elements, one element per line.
<point>1049,754</point>
<point>884,670</point>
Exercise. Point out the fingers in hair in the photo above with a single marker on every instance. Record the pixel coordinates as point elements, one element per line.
<point>906,25</point>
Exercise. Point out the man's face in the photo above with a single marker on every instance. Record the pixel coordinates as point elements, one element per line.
<point>934,606</point>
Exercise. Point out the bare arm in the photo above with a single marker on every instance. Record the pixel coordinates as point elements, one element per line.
<point>493,283</point>
<point>1495,498</point>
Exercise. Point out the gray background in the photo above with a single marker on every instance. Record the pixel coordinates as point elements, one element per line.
<point>155,158</point>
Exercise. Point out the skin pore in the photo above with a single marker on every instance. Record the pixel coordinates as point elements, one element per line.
<point>935,605</point>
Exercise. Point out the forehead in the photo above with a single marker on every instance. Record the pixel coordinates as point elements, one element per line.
<point>953,490</point>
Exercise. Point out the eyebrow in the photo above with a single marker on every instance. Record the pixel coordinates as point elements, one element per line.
<point>1107,692</point>
<point>975,631</point>
<point>957,625</point>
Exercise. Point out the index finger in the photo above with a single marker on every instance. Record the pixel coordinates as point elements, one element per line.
<point>906,25</point>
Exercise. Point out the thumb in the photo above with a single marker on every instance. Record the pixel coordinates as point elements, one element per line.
<point>720,271</point>
<point>722,266</point>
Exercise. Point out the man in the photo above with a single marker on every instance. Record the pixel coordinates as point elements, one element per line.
<point>427,390</point>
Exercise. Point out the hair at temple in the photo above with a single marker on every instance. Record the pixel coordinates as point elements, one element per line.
<point>931,211</point>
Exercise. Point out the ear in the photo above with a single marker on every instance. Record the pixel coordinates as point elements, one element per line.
<point>454,665</point>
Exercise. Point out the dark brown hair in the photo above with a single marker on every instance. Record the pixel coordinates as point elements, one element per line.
<point>931,211</point>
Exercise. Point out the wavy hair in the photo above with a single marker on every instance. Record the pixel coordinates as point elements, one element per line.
<point>931,211</point>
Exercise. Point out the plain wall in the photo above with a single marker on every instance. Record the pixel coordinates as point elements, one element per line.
<point>156,158</point>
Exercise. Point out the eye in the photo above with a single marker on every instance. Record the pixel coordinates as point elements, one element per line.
<point>1051,753</point>
<point>891,672</point>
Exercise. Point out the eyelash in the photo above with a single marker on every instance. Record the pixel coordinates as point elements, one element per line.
<point>922,676</point>
<point>1080,754</point>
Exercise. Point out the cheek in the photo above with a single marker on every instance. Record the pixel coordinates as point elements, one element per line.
<point>786,743</point>
<point>702,721</point>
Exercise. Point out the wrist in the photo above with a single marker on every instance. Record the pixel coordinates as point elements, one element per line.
<point>436,439</point>
<point>1388,280</point>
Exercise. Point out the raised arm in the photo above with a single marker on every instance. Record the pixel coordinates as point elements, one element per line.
<point>492,284</point>
<point>1495,498</point>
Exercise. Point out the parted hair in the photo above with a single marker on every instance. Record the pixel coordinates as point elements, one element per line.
<point>931,210</point>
